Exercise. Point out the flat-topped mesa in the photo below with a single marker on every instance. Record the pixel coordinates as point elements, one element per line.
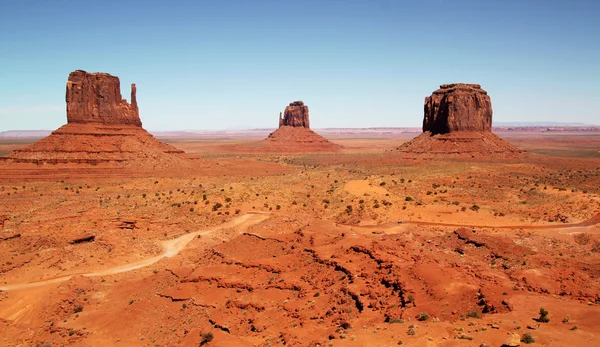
<point>96,98</point>
<point>295,115</point>
<point>458,107</point>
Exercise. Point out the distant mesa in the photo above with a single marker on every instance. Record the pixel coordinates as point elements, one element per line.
<point>102,129</point>
<point>458,121</point>
<point>292,136</point>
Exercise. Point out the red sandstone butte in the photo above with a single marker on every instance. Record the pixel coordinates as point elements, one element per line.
<point>458,121</point>
<point>96,98</point>
<point>102,129</point>
<point>295,115</point>
<point>458,107</point>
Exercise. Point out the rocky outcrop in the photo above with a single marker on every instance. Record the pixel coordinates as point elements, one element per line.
<point>295,115</point>
<point>102,129</point>
<point>458,122</point>
<point>458,107</point>
<point>96,98</point>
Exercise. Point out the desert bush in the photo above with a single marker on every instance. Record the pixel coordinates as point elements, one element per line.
<point>349,209</point>
<point>206,338</point>
<point>543,316</point>
<point>475,208</point>
<point>217,206</point>
<point>422,316</point>
<point>527,338</point>
<point>408,198</point>
<point>473,314</point>
<point>77,309</point>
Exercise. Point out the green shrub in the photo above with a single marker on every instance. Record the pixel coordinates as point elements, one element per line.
<point>527,338</point>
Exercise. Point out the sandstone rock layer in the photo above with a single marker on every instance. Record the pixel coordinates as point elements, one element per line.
<point>458,122</point>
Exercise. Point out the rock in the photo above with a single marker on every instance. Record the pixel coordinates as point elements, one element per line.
<point>96,98</point>
<point>293,135</point>
<point>295,115</point>
<point>102,129</point>
<point>458,107</point>
<point>9,237</point>
<point>457,121</point>
<point>514,340</point>
<point>82,239</point>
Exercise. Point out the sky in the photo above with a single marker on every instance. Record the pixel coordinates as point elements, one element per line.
<point>235,64</point>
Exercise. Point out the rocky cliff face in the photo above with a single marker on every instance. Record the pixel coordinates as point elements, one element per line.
<point>96,98</point>
<point>295,115</point>
<point>458,107</point>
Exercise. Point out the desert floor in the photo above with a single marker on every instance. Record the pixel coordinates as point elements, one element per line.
<point>357,248</point>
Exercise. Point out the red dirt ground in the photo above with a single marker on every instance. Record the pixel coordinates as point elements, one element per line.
<point>306,249</point>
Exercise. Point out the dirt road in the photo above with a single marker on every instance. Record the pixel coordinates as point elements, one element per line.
<point>170,249</point>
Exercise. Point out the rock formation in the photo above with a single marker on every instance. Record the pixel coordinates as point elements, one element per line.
<point>292,136</point>
<point>102,129</point>
<point>295,115</point>
<point>96,98</point>
<point>458,121</point>
<point>458,107</point>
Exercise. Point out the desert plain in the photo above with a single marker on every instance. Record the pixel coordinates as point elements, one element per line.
<point>361,247</point>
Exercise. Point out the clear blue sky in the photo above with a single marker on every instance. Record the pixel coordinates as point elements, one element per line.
<point>237,63</point>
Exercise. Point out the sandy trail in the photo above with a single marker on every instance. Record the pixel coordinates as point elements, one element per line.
<point>170,249</point>
<point>590,222</point>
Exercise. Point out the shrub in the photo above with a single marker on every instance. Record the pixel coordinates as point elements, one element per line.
<point>78,309</point>
<point>475,208</point>
<point>422,316</point>
<point>543,316</point>
<point>205,338</point>
<point>408,198</point>
<point>349,209</point>
<point>473,314</point>
<point>227,199</point>
<point>217,206</point>
<point>527,338</point>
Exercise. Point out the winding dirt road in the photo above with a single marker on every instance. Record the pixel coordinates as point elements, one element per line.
<point>590,222</point>
<point>170,249</point>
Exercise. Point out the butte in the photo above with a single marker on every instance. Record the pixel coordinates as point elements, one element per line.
<point>293,135</point>
<point>458,122</point>
<point>103,130</point>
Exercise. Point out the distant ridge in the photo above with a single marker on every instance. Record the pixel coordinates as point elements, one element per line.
<point>541,124</point>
